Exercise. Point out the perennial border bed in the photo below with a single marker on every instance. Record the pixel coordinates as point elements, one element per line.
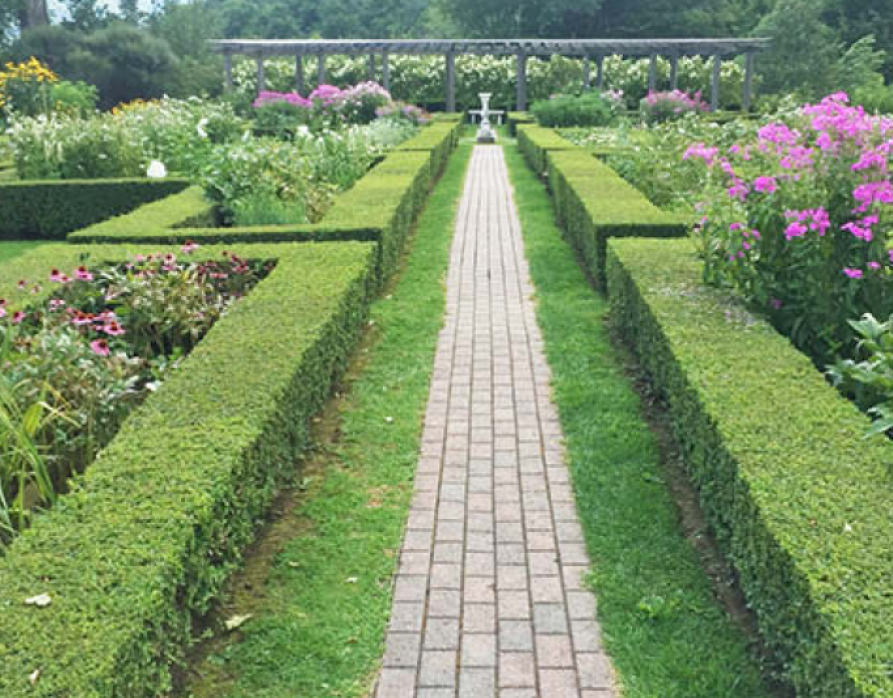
<point>380,207</point>
<point>152,530</point>
<point>799,501</point>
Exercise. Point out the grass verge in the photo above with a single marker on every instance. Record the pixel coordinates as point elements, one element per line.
<point>8,250</point>
<point>665,631</point>
<point>319,590</point>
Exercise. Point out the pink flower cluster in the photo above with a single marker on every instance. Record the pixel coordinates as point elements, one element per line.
<point>677,101</point>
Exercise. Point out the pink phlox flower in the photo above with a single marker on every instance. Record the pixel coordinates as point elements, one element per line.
<point>872,193</point>
<point>853,273</point>
<point>739,190</point>
<point>701,150</point>
<point>874,265</point>
<point>795,230</point>
<point>858,231</point>
<point>765,185</point>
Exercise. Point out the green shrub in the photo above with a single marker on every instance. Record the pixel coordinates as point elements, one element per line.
<point>800,503</point>
<point>154,528</point>
<point>593,203</point>
<point>50,210</point>
<point>589,109</point>
<point>535,142</point>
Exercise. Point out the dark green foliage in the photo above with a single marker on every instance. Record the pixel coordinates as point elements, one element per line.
<point>123,61</point>
<point>536,141</point>
<point>593,203</point>
<point>156,525</point>
<point>588,109</point>
<point>49,210</point>
<point>799,501</point>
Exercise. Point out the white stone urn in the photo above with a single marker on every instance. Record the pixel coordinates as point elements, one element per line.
<point>485,132</point>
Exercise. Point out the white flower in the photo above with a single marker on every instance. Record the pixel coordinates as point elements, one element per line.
<point>200,128</point>
<point>303,131</point>
<point>156,170</point>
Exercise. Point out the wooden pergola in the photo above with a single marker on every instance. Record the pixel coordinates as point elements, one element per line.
<point>590,50</point>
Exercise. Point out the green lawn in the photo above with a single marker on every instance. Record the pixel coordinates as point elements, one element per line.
<point>667,635</point>
<point>319,586</point>
<point>9,250</point>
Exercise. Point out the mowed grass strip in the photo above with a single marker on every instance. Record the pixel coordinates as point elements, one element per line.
<point>319,616</point>
<point>663,628</point>
<point>10,250</point>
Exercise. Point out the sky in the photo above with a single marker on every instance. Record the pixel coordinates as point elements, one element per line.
<point>57,9</point>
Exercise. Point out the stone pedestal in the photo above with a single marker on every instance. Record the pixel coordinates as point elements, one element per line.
<point>485,132</point>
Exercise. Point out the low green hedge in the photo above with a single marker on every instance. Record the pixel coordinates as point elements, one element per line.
<point>439,138</point>
<point>593,203</point>
<point>515,118</point>
<point>799,500</point>
<point>535,142</point>
<point>152,531</point>
<point>51,209</point>
<point>380,207</point>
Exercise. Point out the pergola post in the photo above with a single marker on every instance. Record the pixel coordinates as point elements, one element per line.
<point>371,71</point>
<point>321,70</point>
<point>652,73</point>
<point>261,78</point>
<point>600,72</point>
<point>299,74</point>
<point>451,82</point>
<point>228,72</point>
<point>714,83</point>
<point>587,73</point>
<point>521,62</point>
<point>674,72</point>
<point>748,81</point>
<point>385,71</point>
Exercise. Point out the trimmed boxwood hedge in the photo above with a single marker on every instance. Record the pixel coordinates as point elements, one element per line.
<point>158,522</point>
<point>535,142</point>
<point>31,210</point>
<point>799,500</point>
<point>515,118</point>
<point>593,203</point>
<point>380,207</point>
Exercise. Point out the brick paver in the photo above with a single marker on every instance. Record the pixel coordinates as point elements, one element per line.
<point>488,600</point>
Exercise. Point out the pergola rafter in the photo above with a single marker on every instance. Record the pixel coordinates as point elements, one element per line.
<point>587,49</point>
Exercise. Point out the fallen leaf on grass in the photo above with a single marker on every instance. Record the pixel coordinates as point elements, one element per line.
<point>40,600</point>
<point>235,622</point>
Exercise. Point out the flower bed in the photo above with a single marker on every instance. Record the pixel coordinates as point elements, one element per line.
<point>155,526</point>
<point>799,501</point>
<point>76,365</point>
<point>52,209</point>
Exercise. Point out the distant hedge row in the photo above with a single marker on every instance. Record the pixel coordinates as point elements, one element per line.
<point>151,532</point>
<point>380,207</point>
<point>52,209</point>
<point>799,500</point>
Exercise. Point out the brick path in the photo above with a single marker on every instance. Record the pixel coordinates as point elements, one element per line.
<point>488,599</point>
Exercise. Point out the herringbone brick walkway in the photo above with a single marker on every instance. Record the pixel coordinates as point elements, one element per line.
<point>488,599</point>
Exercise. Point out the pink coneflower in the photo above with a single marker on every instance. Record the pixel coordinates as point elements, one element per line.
<point>2,308</point>
<point>56,304</point>
<point>100,347</point>
<point>17,317</point>
<point>81,274</point>
<point>189,247</point>
<point>113,329</point>
<point>22,284</point>
<point>82,318</point>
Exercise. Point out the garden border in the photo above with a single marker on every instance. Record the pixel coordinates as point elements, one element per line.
<point>50,209</point>
<point>142,544</point>
<point>594,203</point>
<point>380,207</point>
<point>799,501</point>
